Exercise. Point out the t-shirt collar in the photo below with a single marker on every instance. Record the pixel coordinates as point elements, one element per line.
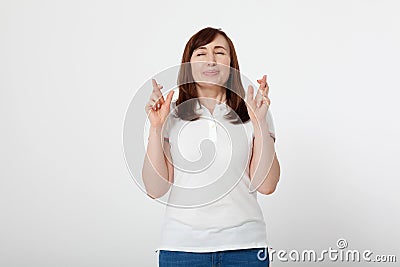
<point>221,105</point>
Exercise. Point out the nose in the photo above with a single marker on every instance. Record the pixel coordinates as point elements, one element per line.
<point>211,60</point>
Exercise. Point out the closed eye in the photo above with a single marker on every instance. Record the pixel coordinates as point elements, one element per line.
<point>219,53</point>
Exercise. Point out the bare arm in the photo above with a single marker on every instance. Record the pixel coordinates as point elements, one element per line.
<point>264,165</point>
<point>157,170</point>
<point>262,158</point>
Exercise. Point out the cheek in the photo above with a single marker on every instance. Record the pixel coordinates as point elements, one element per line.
<point>226,67</point>
<point>195,66</point>
<point>224,62</point>
<point>228,62</point>
<point>196,71</point>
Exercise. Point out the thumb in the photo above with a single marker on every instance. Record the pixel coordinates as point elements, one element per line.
<point>169,98</point>
<point>250,94</point>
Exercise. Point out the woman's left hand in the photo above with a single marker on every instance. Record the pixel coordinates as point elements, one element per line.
<point>258,106</point>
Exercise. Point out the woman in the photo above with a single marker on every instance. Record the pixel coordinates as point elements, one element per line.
<point>211,227</point>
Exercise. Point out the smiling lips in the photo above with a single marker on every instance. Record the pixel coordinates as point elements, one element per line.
<point>211,72</point>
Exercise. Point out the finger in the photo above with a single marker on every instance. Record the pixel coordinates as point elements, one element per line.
<point>262,85</point>
<point>267,101</point>
<point>156,86</point>
<point>167,101</point>
<point>266,90</point>
<point>266,98</point>
<point>158,97</point>
<point>256,98</point>
<point>149,106</point>
<point>259,102</point>
<point>263,79</point>
<point>250,94</point>
<point>156,100</point>
<point>169,98</point>
<point>153,105</point>
<point>159,94</point>
<point>157,89</point>
<point>154,83</point>
<point>264,106</point>
<point>154,97</point>
<point>260,94</point>
<point>265,93</point>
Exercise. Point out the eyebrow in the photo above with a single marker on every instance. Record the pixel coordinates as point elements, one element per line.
<point>215,47</point>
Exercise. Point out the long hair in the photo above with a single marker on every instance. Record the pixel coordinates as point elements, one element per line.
<point>187,87</point>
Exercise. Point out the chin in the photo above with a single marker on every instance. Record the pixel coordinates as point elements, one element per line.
<point>210,83</point>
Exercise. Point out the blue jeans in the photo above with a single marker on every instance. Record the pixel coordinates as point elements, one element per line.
<point>253,257</point>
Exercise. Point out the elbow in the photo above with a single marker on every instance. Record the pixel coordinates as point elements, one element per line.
<point>153,194</point>
<point>271,181</point>
<point>266,190</point>
<point>154,190</point>
<point>269,188</point>
<point>150,186</point>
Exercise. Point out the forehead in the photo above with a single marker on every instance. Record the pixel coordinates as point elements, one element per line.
<point>218,41</point>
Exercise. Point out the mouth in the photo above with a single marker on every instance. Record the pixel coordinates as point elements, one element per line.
<point>211,72</point>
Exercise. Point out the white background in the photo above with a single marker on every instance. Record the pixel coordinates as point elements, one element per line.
<point>70,68</point>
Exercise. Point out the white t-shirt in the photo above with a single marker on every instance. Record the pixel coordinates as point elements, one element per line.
<point>211,206</point>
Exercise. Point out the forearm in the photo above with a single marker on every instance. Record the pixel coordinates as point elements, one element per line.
<point>155,171</point>
<point>264,166</point>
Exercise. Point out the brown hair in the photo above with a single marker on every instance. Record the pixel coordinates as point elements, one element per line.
<point>187,88</point>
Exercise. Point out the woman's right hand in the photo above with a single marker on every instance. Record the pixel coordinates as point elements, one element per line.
<point>157,109</point>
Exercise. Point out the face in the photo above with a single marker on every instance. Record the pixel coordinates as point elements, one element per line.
<point>211,63</point>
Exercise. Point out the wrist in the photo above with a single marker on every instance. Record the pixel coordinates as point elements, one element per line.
<point>260,126</point>
<point>155,131</point>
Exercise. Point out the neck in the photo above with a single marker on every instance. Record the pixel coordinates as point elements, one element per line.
<point>210,95</point>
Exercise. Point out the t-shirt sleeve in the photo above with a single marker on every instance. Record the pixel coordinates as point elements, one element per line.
<point>270,123</point>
